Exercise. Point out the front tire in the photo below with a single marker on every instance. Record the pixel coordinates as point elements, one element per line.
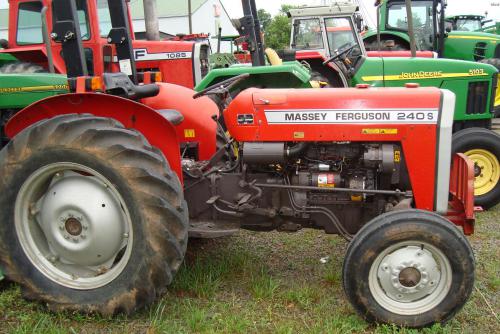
<point>410,268</point>
<point>483,147</point>
<point>92,217</point>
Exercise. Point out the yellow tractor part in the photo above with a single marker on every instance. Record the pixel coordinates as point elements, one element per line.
<point>487,171</point>
<point>497,97</point>
<point>273,57</point>
<point>275,60</point>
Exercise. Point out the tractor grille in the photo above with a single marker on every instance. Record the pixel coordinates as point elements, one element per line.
<point>480,51</point>
<point>477,99</point>
<point>204,60</point>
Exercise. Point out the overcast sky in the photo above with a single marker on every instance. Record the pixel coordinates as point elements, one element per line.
<point>233,7</point>
<point>454,6</point>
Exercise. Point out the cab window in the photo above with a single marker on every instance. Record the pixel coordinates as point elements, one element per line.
<point>307,34</point>
<point>104,17</point>
<point>29,23</point>
<point>83,19</point>
<point>340,33</point>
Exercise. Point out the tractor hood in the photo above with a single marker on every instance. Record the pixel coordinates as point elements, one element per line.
<point>424,69</point>
<point>474,35</point>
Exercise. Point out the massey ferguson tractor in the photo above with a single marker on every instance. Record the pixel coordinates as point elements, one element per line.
<point>327,40</point>
<point>180,62</point>
<point>100,188</point>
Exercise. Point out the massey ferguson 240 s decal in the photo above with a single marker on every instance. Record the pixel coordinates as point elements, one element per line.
<point>335,116</point>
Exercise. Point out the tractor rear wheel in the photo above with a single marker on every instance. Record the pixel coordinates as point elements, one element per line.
<point>93,219</point>
<point>483,147</point>
<point>411,268</point>
<point>492,61</point>
<point>495,62</point>
<point>20,68</point>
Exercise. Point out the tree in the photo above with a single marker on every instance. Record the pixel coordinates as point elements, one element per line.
<point>265,18</point>
<point>278,30</point>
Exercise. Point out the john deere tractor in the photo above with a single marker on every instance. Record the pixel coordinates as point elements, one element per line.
<point>472,23</point>
<point>327,40</point>
<point>429,21</point>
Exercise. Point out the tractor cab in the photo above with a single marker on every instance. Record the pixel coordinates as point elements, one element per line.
<point>465,22</point>
<point>30,41</point>
<point>460,37</point>
<point>327,30</point>
<point>329,37</point>
<point>469,22</point>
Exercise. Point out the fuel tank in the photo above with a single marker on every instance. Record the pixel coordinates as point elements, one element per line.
<point>198,129</point>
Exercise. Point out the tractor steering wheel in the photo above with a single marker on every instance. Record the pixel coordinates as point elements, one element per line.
<point>222,87</point>
<point>344,50</point>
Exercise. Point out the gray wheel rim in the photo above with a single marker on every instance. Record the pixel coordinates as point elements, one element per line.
<point>410,278</point>
<point>73,226</point>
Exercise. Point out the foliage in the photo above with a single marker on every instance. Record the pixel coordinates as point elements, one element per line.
<point>278,30</point>
<point>264,17</point>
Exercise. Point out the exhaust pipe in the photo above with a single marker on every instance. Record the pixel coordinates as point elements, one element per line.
<point>151,20</point>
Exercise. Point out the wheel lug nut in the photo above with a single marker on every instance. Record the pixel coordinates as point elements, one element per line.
<point>125,235</point>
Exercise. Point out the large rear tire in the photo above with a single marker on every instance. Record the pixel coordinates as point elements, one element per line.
<point>92,218</point>
<point>492,61</point>
<point>483,147</point>
<point>410,268</point>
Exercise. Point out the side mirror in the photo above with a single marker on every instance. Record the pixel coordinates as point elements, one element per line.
<point>448,30</point>
<point>358,20</point>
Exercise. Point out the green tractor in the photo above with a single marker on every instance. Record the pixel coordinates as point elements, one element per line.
<point>328,41</point>
<point>22,85</point>
<point>18,90</point>
<point>429,20</point>
<point>478,23</point>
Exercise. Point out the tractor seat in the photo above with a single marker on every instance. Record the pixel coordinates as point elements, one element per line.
<point>173,116</point>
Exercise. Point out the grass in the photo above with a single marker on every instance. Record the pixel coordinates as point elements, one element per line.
<point>264,283</point>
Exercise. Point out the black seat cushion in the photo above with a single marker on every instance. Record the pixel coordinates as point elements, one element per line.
<point>173,116</point>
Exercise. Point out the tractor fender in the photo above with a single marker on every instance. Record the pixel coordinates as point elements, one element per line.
<point>150,123</point>
<point>199,128</point>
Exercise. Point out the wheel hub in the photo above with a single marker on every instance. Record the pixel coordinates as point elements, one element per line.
<point>486,170</point>
<point>409,277</point>
<point>73,226</point>
<point>83,227</point>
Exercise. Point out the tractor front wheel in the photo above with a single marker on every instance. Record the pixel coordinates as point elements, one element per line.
<point>483,147</point>
<point>93,219</point>
<point>410,268</point>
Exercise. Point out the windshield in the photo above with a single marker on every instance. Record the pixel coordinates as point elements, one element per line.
<point>307,34</point>
<point>104,17</point>
<point>422,21</point>
<point>468,25</point>
<point>340,33</point>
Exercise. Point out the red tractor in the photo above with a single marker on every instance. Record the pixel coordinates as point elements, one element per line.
<point>99,192</point>
<point>180,62</point>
